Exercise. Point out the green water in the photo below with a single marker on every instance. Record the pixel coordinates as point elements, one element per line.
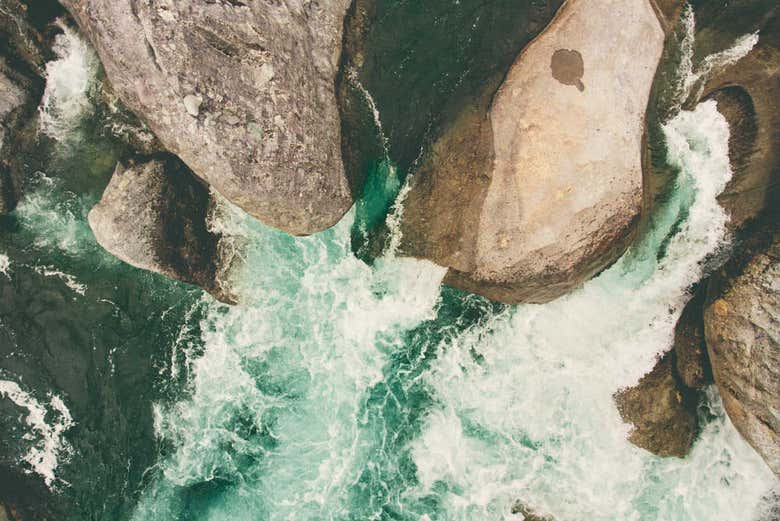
<point>339,390</point>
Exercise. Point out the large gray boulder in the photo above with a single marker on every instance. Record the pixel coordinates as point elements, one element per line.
<point>742,328</point>
<point>532,191</point>
<point>242,92</point>
<point>154,216</point>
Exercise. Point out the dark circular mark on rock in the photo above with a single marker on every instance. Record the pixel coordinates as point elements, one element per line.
<point>568,68</point>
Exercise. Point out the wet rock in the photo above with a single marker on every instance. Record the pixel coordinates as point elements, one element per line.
<point>154,215</point>
<point>532,191</point>
<point>746,93</point>
<point>13,98</point>
<point>528,513</point>
<point>273,66</point>
<point>23,51</point>
<point>741,323</point>
<point>661,410</point>
<point>690,349</point>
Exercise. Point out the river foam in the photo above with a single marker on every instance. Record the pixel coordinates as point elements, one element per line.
<point>68,82</point>
<point>47,425</point>
<point>343,391</point>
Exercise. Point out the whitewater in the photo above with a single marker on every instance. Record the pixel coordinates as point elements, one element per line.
<point>339,390</point>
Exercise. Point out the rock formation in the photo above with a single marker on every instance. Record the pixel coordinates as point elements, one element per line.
<point>747,93</point>
<point>12,99</point>
<point>529,195</point>
<point>23,52</point>
<point>242,92</point>
<point>742,324</point>
<point>661,410</point>
<point>153,216</point>
<point>690,349</point>
<point>420,64</point>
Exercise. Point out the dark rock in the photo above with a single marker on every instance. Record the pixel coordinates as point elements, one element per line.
<point>741,323</point>
<point>661,410</point>
<point>690,348</point>
<point>154,216</point>
<point>23,51</point>
<point>747,93</point>
<point>242,92</point>
<point>13,100</point>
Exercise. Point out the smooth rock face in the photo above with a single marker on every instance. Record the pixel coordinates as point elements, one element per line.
<point>742,327</point>
<point>662,413</point>
<point>154,217</point>
<point>243,92</point>
<point>556,165</point>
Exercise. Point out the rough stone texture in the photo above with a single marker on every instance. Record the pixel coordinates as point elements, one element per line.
<point>154,216</point>
<point>747,93</point>
<point>23,51</point>
<point>12,98</point>
<point>662,412</point>
<point>528,513</point>
<point>262,78</point>
<point>690,348</point>
<point>742,328</point>
<point>529,198</point>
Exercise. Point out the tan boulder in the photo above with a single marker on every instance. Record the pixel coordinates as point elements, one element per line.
<point>531,195</point>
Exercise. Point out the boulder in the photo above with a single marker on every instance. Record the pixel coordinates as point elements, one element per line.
<point>661,410</point>
<point>742,328</point>
<point>530,192</point>
<point>242,92</point>
<point>154,216</point>
<point>746,93</point>
<point>690,349</point>
<point>408,69</point>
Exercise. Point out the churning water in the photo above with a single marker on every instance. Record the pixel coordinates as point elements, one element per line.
<point>343,391</point>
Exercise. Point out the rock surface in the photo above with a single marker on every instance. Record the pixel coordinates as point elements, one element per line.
<point>12,98</point>
<point>742,327</point>
<point>661,410</point>
<point>528,196</point>
<point>23,52</point>
<point>422,64</point>
<point>690,348</point>
<point>154,217</point>
<point>243,92</point>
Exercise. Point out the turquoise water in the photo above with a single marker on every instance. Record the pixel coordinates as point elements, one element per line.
<point>342,391</point>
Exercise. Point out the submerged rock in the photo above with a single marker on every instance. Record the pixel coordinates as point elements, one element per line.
<point>742,327</point>
<point>154,216</point>
<point>243,92</point>
<point>661,410</point>
<point>529,193</point>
